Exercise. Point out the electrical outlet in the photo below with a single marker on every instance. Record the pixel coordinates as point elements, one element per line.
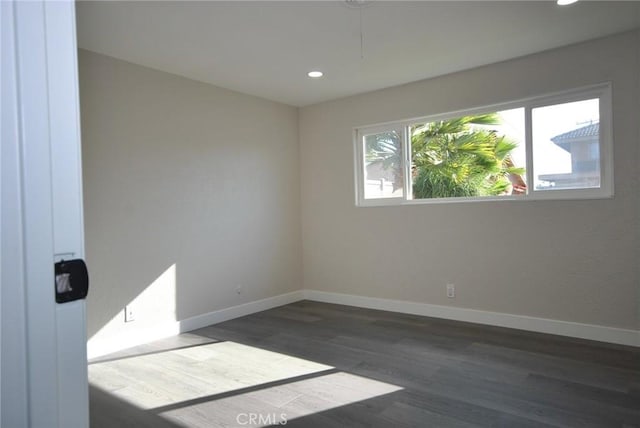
<point>451,291</point>
<point>129,314</point>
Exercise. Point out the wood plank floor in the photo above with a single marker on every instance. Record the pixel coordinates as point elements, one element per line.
<point>312,364</point>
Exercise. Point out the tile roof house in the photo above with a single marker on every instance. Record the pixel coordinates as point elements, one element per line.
<point>582,144</point>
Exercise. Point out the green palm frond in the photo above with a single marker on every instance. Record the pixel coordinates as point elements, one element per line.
<point>454,158</point>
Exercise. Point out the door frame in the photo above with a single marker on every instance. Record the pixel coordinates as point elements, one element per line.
<point>43,357</point>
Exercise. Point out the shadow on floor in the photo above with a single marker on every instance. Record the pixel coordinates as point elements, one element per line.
<point>108,411</point>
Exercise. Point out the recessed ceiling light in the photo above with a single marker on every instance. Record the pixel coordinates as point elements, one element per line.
<point>566,2</point>
<point>315,74</point>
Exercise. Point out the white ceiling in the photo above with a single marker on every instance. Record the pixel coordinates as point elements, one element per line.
<point>265,48</point>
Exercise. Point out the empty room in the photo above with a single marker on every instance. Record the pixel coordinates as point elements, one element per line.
<point>361,213</point>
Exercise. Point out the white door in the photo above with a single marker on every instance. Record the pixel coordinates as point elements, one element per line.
<point>43,355</point>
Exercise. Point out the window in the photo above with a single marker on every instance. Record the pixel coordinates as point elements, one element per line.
<point>383,166</point>
<point>566,144</point>
<point>550,147</point>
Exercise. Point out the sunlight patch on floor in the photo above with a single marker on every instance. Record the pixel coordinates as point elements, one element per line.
<point>164,378</point>
<point>285,402</point>
<point>229,383</point>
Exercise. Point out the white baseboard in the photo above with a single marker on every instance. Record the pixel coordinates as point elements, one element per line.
<point>215,317</point>
<point>541,325</point>
<point>128,339</point>
<point>101,346</point>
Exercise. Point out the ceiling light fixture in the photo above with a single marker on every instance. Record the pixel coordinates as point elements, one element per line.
<point>359,5</point>
<point>315,74</point>
<point>565,2</point>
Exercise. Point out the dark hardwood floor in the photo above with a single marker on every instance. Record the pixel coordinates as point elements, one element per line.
<point>312,364</point>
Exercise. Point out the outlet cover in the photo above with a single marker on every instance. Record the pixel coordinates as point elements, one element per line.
<point>451,291</point>
<point>129,314</point>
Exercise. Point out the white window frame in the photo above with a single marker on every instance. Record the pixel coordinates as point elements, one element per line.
<point>601,91</point>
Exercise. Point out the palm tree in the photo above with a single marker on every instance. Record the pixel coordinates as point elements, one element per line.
<point>455,158</point>
<point>385,149</point>
<point>451,158</point>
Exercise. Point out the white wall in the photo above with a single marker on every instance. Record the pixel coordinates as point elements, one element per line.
<point>564,260</point>
<point>190,192</point>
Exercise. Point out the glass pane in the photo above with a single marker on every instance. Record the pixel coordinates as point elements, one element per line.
<point>566,145</point>
<point>383,172</point>
<point>469,156</point>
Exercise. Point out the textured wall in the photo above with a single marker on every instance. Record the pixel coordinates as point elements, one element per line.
<point>566,260</point>
<point>189,187</point>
